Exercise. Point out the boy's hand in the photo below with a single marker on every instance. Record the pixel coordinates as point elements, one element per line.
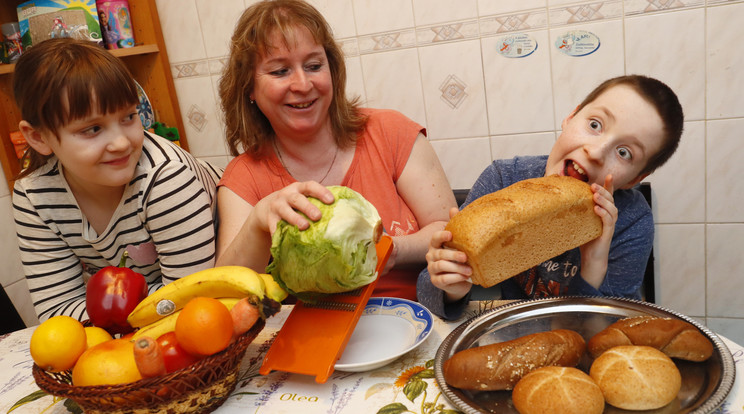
<point>594,254</point>
<point>447,267</point>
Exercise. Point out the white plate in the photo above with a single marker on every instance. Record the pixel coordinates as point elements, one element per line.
<point>387,329</point>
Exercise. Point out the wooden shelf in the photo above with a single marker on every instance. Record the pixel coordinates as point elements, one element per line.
<point>147,61</point>
<point>7,68</point>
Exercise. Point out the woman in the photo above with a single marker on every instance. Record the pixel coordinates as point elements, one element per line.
<point>283,95</point>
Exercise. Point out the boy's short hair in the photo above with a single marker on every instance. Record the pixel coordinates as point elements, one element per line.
<point>661,97</point>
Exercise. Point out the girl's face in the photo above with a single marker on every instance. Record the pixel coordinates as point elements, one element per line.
<point>100,150</point>
<point>615,134</point>
<point>293,86</point>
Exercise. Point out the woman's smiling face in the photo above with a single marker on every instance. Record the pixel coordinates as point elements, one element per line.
<point>293,85</point>
<point>615,134</point>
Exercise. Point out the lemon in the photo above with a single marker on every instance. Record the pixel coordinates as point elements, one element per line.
<point>57,343</point>
<point>108,363</point>
<point>95,335</point>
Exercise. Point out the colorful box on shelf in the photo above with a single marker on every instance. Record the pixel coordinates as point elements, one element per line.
<point>46,19</point>
<point>116,24</point>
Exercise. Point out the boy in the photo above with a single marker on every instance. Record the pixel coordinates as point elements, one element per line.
<point>623,131</point>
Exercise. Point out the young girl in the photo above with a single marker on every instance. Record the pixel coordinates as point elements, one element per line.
<point>97,184</point>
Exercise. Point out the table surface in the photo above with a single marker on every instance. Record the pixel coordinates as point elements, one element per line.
<point>392,388</point>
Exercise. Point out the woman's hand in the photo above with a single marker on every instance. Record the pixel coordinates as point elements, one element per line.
<point>448,268</point>
<point>288,203</point>
<point>244,234</point>
<point>595,254</point>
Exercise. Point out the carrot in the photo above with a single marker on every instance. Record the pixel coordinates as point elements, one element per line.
<point>149,357</point>
<point>244,315</point>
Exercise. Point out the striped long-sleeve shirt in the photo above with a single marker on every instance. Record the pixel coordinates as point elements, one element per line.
<point>165,220</point>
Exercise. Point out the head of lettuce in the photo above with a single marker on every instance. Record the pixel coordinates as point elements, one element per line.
<point>335,254</point>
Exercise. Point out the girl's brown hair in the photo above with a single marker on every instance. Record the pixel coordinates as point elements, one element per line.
<point>247,129</point>
<point>59,80</point>
<point>661,97</point>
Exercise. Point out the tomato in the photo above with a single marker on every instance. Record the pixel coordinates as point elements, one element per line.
<point>175,357</point>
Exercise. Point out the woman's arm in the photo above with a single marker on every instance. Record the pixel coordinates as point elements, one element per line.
<point>424,187</point>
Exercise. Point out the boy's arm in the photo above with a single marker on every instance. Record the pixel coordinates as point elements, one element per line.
<point>629,251</point>
<point>433,298</point>
<point>595,254</point>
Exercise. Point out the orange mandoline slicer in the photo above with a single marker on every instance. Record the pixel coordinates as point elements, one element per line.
<point>314,335</point>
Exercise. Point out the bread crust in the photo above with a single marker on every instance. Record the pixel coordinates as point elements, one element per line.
<point>564,390</point>
<point>634,377</point>
<point>500,366</point>
<point>674,337</point>
<point>522,225</point>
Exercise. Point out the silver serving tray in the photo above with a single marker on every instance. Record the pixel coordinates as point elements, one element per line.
<point>705,385</point>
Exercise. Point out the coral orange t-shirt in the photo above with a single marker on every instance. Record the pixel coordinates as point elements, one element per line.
<point>381,154</point>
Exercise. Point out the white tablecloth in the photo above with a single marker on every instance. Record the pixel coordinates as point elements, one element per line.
<point>395,387</point>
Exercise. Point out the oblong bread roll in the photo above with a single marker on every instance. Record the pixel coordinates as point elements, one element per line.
<point>511,230</point>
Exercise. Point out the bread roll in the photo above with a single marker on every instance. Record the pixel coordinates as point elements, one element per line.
<point>499,366</point>
<point>564,390</point>
<point>636,377</point>
<point>520,226</point>
<point>674,337</point>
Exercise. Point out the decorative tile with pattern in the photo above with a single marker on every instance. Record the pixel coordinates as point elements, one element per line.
<point>190,69</point>
<point>197,117</point>
<point>452,32</point>
<point>586,13</point>
<point>453,91</point>
<point>513,22</point>
<point>383,42</point>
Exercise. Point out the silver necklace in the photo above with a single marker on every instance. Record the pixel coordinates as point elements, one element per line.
<point>281,159</point>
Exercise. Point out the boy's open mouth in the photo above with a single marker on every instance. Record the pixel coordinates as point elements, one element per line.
<point>572,169</point>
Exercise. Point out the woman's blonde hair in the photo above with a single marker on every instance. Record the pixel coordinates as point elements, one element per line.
<point>59,80</point>
<point>247,129</point>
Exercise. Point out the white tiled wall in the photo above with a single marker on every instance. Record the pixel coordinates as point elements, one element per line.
<point>437,61</point>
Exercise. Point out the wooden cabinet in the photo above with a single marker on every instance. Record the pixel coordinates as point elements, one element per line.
<point>147,60</point>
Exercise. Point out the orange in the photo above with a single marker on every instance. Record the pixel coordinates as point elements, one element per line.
<point>57,343</point>
<point>95,335</point>
<point>204,326</point>
<point>108,363</point>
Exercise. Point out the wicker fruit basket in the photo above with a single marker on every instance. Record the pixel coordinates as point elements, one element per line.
<point>199,388</point>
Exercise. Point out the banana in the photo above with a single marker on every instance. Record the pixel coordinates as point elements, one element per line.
<point>273,290</point>
<point>168,323</point>
<point>222,281</point>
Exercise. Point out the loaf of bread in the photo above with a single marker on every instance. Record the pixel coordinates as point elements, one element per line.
<point>499,366</point>
<point>674,337</point>
<point>636,377</point>
<point>520,226</point>
<point>564,390</point>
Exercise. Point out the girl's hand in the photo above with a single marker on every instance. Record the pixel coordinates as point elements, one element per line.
<point>595,254</point>
<point>288,203</point>
<point>448,268</point>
